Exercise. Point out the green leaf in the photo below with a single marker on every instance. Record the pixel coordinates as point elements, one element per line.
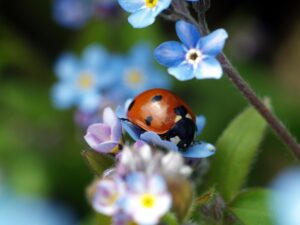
<point>103,220</point>
<point>251,207</point>
<point>97,162</point>
<point>182,197</point>
<point>236,149</point>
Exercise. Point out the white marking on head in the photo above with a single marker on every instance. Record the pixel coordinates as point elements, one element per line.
<point>177,118</point>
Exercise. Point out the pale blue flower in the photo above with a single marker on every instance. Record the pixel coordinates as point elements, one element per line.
<point>71,13</point>
<point>24,210</point>
<point>81,80</point>
<point>195,57</point>
<point>285,200</point>
<point>143,12</point>
<point>74,14</point>
<point>136,73</point>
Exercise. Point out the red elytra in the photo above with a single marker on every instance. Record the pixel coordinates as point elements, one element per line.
<point>154,110</point>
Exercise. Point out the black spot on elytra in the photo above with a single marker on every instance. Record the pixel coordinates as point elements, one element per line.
<point>156,98</point>
<point>148,120</point>
<point>131,105</point>
<point>181,111</point>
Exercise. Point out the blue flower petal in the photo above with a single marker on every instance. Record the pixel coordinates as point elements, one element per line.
<point>170,53</point>
<point>90,101</point>
<point>141,54</point>
<point>63,96</point>
<point>213,43</point>
<point>154,139</point>
<point>95,56</point>
<point>136,181</point>
<point>66,66</point>
<point>200,123</point>
<point>121,111</point>
<point>187,33</point>
<point>132,5</point>
<point>133,130</point>
<point>142,18</point>
<point>71,13</point>
<point>161,5</point>
<point>182,72</point>
<point>209,68</point>
<point>199,150</point>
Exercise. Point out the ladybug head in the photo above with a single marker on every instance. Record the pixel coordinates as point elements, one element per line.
<point>183,132</point>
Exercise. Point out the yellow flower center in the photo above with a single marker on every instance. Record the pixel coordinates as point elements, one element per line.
<point>85,80</point>
<point>112,199</point>
<point>134,77</point>
<point>151,3</point>
<point>148,200</point>
<point>131,223</point>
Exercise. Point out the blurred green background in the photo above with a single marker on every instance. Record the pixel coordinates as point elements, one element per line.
<point>40,146</point>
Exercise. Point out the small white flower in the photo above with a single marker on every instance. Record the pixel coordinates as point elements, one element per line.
<point>147,199</point>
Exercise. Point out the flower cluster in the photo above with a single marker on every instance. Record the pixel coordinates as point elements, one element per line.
<point>195,57</point>
<point>139,189</point>
<point>101,79</point>
<point>74,14</point>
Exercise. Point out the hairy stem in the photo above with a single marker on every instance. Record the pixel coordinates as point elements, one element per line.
<point>277,126</point>
<point>234,76</point>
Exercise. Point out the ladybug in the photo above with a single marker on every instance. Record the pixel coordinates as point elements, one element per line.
<point>165,114</point>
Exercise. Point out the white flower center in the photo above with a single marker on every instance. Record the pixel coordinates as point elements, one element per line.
<point>86,80</point>
<point>193,56</point>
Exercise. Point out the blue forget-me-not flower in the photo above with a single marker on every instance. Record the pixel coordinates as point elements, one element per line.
<point>143,12</point>
<point>81,79</point>
<point>24,210</point>
<point>136,73</point>
<point>74,14</point>
<point>71,13</point>
<point>195,56</point>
